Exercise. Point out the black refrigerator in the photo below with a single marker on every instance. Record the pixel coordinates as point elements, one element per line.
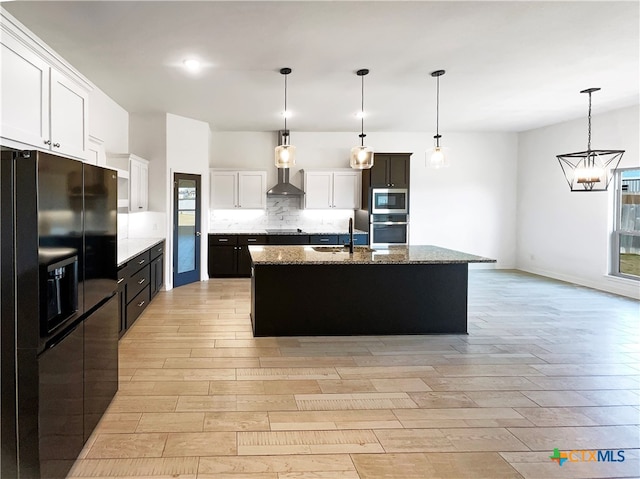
<point>59,322</point>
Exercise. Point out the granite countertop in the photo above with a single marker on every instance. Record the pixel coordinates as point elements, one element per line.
<point>418,254</point>
<point>288,231</point>
<point>131,247</point>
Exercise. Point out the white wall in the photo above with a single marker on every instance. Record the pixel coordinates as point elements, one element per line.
<point>187,152</point>
<point>469,206</point>
<point>566,235</point>
<point>148,139</point>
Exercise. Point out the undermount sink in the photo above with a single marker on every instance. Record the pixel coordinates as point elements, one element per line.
<point>342,249</point>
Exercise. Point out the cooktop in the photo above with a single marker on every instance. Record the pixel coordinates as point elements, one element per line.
<point>280,230</point>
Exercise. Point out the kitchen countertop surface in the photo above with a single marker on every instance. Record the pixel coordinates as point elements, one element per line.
<point>418,254</point>
<point>289,231</point>
<point>131,247</point>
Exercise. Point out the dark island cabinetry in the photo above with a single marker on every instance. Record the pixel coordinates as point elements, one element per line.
<point>139,280</point>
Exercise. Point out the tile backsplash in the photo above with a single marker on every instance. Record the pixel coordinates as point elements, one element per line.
<point>281,212</point>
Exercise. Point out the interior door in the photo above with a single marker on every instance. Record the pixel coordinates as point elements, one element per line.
<point>186,229</point>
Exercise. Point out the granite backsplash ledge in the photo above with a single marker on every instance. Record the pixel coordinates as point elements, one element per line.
<point>282,212</point>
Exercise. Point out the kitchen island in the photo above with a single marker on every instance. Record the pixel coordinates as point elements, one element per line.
<point>322,291</point>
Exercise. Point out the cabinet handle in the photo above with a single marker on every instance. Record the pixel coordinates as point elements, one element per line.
<point>120,280</point>
<point>159,250</point>
<point>222,240</point>
<point>139,207</point>
<point>324,240</point>
<point>142,280</point>
<point>47,142</point>
<point>141,261</point>
<point>56,145</point>
<point>140,305</point>
<point>251,240</point>
<point>198,233</point>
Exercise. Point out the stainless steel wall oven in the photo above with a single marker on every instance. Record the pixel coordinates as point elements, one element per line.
<point>389,229</point>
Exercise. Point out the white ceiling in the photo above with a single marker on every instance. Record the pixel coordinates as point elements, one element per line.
<point>511,66</point>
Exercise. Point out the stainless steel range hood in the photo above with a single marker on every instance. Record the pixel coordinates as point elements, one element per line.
<point>284,188</point>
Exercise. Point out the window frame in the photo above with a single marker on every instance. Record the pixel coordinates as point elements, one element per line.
<point>617,231</point>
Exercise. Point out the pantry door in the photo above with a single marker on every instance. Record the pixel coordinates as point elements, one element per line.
<point>186,228</point>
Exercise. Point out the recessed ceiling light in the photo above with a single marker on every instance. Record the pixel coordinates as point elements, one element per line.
<point>192,65</point>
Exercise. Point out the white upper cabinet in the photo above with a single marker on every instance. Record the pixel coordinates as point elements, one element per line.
<point>238,189</point>
<point>25,94</point>
<point>42,107</point>
<point>338,189</point>
<point>133,181</point>
<point>224,187</point>
<point>69,116</point>
<point>138,184</point>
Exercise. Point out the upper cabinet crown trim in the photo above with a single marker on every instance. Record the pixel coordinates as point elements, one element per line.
<point>12,27</point>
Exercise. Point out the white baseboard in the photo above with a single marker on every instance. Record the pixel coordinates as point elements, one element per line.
<point>609,284</point>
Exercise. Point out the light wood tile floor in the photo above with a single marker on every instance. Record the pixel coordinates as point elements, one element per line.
<point>545,365</point>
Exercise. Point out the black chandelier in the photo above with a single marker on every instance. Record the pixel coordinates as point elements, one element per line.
<point>589,170</point>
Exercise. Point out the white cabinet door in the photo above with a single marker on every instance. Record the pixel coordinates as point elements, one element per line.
<point>252,189</point>
<point>318,189</point>
<point>69,123</point>
<point>24,95</point>
<point>138,185</point>
<point>144,188</point>
<point>346,189</point>
<point>223,189</point>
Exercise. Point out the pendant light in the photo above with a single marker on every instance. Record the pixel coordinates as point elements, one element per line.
<point>361,157</point>
<point>285,154</point>
<point>589,170</point>
<point>437,156</point>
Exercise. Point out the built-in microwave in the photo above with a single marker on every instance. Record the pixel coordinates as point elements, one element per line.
<point>389,201</point>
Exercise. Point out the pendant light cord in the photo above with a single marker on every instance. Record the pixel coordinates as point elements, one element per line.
<point>437,74</point>
<point>589,137</point>
<point>362,113</point>
<point>285,107</point>
<point>438,111</point>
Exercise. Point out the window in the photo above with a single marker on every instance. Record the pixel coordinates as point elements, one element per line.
<point>626,234</point>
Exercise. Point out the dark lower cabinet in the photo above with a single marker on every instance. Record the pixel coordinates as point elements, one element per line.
<point>136,306</point>
<point>243,261</point>
<point>60,405</point>
<point>157,275</point>
<point>139,279</point>
<point>229,254</point>
<point>157,269</point>
<point>323,239</point>
<point>223,261</point>
<point>359,239</point>
<point>100,362</point>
